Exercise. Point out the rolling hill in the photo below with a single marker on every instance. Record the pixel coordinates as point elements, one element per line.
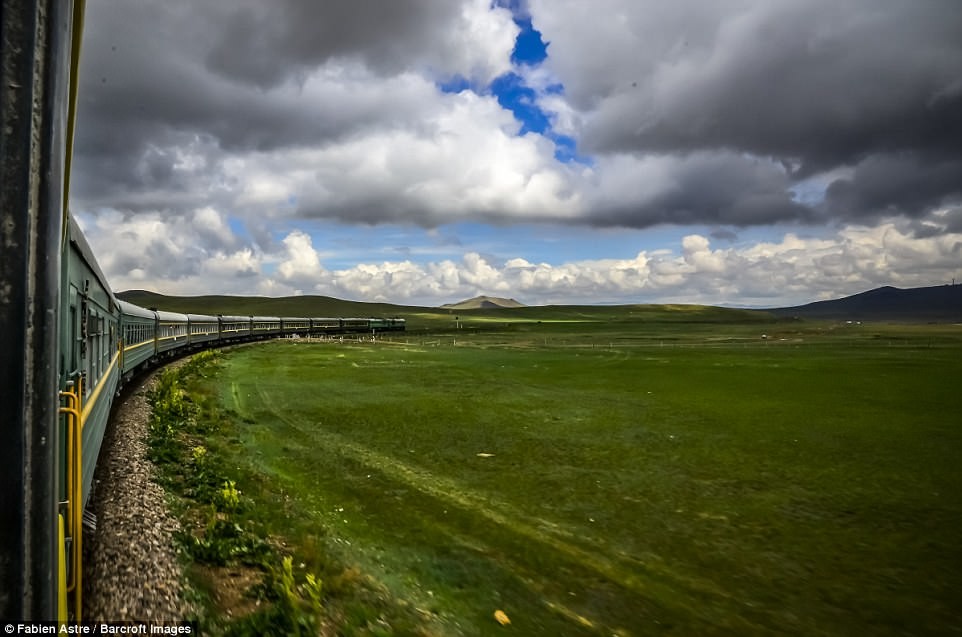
<point>319,306</point>
<point>941,303</point>
<point>482,303</point>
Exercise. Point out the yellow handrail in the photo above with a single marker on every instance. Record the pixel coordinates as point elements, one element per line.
<point>73,410</point>
<point>61,574</point>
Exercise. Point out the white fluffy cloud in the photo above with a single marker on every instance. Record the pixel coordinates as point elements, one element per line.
<point>790,270</point>
<point>301,265</point>
<point>463,160</point>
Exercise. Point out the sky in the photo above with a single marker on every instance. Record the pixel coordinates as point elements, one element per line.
<point>729,152</point>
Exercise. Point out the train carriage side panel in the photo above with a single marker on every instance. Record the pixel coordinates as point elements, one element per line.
<point>234,328</point>
<point>320,326</point>
<point>355,325</point>
<point>265,326</point>
<point>91,338</point>
<point>138,331</point>
<point>202,328</point>
<point>293,325</point>
<point>171,331</point>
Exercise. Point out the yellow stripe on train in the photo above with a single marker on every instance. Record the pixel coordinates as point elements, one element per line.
<point>90,402</point>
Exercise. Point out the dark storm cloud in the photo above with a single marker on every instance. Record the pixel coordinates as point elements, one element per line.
<point>726,196</point>
<point>949,222</point>
<point>138,104</point>
<point>953,220</point>
<point>815,85</point>
<point>713,188</point>
<point>820,83</point>
<point>893,184</point>
<point>137,172</point>
<point>699,204</point>
<point>266,42</point>
<point>225,78</point>
<point>143,79</point>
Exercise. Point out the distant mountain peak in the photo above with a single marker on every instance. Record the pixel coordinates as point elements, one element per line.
<point>938,303</point>
<point>482,302</point>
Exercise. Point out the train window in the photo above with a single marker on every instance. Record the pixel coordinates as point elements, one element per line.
<point>136,333</point>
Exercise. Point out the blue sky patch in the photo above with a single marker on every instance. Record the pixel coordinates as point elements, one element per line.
<point>518,98</point>
<point>514,95</point>
<point>529,48</point>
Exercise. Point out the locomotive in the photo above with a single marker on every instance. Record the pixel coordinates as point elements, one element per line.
<point>67,343</point>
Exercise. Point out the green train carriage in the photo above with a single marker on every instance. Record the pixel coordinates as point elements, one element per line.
<point>202,329</point>
<point>138,328</point>
<point>90,361</point>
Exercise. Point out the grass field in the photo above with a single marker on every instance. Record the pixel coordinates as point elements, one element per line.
<point>620,477</point>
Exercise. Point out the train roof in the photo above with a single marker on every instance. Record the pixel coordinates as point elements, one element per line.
<point>163,315</point>
<point>134,310</point>
<point>78,239</point>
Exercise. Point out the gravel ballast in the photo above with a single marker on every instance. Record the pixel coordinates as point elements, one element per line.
<point>131,568</point>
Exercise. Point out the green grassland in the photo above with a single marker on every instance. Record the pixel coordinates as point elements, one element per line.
<point>628,471</point>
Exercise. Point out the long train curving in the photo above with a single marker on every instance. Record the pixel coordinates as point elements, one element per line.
<point>67,343</point>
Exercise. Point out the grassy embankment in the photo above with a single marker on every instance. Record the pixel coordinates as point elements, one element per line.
<point>628,476</point>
